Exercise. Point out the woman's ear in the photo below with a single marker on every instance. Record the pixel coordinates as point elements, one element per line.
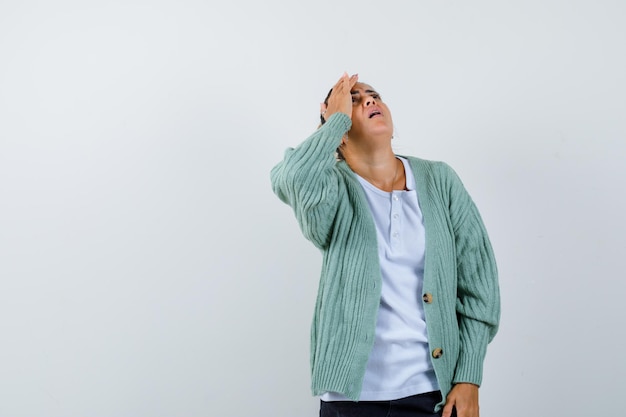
<point>322,113</point>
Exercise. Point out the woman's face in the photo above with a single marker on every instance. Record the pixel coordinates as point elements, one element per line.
<point>370,116</point>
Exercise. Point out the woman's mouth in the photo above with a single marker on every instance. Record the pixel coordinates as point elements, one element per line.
<point>375,112</point>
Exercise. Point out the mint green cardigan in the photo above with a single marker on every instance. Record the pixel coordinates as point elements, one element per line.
<point>460,271</point>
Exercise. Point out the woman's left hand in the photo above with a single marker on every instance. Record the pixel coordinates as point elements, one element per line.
<point>464,397</point>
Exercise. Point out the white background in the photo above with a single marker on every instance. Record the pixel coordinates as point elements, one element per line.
<point>146,268</point>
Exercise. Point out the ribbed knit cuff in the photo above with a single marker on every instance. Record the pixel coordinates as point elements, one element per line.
<point>339,122</point>
<point>469,368</point>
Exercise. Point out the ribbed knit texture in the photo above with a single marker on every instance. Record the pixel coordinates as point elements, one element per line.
<point>460,270</point>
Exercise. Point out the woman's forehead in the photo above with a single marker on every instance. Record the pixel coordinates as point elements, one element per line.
<point>362,87</point>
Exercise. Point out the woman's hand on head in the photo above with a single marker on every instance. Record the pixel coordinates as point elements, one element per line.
<point>340,99</point>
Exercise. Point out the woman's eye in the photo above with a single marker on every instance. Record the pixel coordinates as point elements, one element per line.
<point>376,96</point>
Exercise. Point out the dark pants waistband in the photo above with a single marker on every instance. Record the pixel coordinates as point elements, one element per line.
<point>420,405</point>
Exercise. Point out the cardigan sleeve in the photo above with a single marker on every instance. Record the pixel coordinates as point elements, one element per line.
<point>306,179</point>
<point>478,296</point>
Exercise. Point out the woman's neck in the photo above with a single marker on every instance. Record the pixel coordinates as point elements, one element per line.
<point>382,169</point>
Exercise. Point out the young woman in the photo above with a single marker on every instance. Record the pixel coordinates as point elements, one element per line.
<point>408,297</point>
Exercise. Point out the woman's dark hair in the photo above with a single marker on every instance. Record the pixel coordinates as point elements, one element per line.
<point>322,121</point>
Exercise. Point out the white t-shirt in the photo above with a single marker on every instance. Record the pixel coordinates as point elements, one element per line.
<point>399,364</point>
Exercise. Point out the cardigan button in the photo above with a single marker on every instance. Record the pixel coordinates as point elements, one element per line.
<point>437,353</point>
<point>428,298</point>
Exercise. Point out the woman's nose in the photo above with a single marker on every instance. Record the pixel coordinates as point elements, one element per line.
<point>369,100</point>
